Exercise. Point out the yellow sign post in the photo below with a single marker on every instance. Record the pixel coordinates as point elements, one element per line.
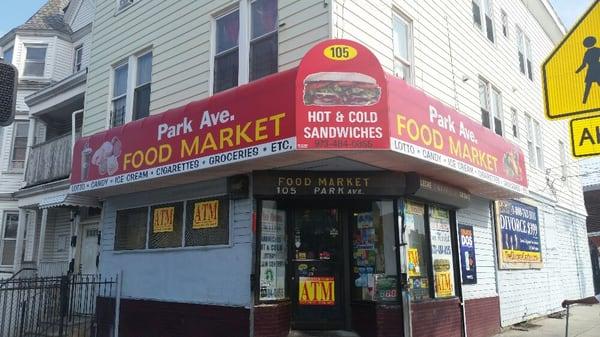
<point>585,136</point>
<point>571,74</point>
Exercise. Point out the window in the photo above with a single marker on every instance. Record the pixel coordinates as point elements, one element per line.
<point>35,61</point>
<point>441,252</point>
<point>189,223</point>
<point>207,222</point>
<point>504,18</point>
<point>8,55</point>
<point>273,253</point>
<point>491,106</point>
<point>524,53</point>
<point>534,143</point>
<point>131,95</point>
<point>124,3</point>
<point>486,23</point>
<point>402,47</point>
<point>19,146</point>
<point>232,67</point>
<point>563,159</point>
<point>130,232</point>
<point>263,39</point>
<point>141,96</point>
<point>373,255</point>
<point>418,250</point>
<point>9,238</point>
<point>515,122</point>
<point>119,100</point>
<point>78,58</point>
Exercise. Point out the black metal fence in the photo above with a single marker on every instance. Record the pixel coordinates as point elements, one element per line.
<point>52,306</point>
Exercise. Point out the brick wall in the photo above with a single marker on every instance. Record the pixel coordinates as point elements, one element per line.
<point>272,320</point>
<point>389,320</point>
<point>170,319</point>
<point>483,316</point>
<point>440,318</point>
<point>592,204</point>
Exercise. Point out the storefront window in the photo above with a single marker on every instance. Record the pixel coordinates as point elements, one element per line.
<point>418,250</point>
<point>207,222</point>
<point>373,256</point>
<point>131,228</point>
<point>273,252</point>
<point>165,222</point>
<point>441,252</point>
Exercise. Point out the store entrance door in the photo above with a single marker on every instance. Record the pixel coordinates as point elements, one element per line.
<point>317,268</point>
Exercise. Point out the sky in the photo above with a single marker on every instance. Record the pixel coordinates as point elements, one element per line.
<point>19,11</point>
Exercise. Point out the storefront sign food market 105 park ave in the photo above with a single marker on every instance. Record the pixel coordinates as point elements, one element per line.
<point>338,99</point>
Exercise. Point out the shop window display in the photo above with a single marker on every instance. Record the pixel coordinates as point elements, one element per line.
<point>273,253</point>
<point>166,225</point>
<point>418,250</point>
<point>207,222</point>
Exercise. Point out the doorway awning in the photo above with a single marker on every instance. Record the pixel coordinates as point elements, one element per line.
<point>67,200</point>
<point>331,106</point>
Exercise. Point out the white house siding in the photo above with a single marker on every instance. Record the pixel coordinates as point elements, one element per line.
<point>190,275</point>
<point>86,42</point>
<point>63,59</point>
<point>9,181</point>
<point>478,216</point>
<point>83,15</point>
<point>180,35</point>
<point>449,47</point>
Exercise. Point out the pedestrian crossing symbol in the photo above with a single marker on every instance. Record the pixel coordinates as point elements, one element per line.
<point>571,74</point>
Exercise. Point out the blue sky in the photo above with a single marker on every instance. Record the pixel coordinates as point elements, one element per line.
<point>21,10</point>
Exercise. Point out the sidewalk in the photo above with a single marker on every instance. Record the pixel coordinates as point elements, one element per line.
<point>584,321</point>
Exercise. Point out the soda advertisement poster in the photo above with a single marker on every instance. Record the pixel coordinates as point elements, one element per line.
<point>468,264</point>
<point>518,235</point>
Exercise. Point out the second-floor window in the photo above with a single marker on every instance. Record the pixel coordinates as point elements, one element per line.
<point>119,100</point>
<point>524,53</point>
<point>131,89</point>
<point>8,55</point>
<point>490,102</point>
<point>483,17</point>
<point>35,61</point>
<point>534,142</point>
<point>514,118</point>
<point>240,57</point>
<point>402,47</point>
<point>19,145</point>
<point>78,58</point>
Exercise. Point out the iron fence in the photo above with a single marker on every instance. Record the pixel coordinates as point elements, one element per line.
<point>52,306</point>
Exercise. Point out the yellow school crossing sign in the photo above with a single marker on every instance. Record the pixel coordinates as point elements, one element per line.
<point>571,74</point>
<point>585,136</point>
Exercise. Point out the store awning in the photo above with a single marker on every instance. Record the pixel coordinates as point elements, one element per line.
<point>337,103</point>
<point>67,200</point>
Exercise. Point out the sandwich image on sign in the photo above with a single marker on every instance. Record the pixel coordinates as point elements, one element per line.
<point>340,88</point>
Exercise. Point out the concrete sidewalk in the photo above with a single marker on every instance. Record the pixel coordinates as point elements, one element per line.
<point>584,321</point>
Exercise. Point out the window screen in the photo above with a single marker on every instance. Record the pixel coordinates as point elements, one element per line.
<point>131,228</point>
<point>166,225</point>
<point>207,222</point>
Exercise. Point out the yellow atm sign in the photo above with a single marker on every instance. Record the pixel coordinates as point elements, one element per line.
<point>571,74</point>
<point>585,136</point>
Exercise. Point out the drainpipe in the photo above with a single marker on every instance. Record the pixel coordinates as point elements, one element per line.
<point>73,128</point>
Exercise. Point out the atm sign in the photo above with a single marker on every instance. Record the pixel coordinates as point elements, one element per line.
<point>316,291</point>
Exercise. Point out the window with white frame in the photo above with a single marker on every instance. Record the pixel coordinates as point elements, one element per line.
<point>131,89</point>
<point>563,159</point>
<point>9,238</point>
<point>240,57</point>
<point>524,53</point>
<point>19,145</point>
<point>514,118</point>
<point>490,102</point>
<point>77,58</point>
<point>122,4</point>
<point>483,17</point>
<point>8,55</point>
<point>401,31</point>
<point>504,19</point>
<point>534,142</point>
<point>119,96</point>
<point>143,81</point>
<point>35,60</point>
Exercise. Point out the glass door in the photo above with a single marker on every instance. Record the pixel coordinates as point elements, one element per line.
<point>317,269</point>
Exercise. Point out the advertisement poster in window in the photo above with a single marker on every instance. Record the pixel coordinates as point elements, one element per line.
<point>468,263</point>
<point>441,252</point>
<point>163,219</point>
<point>206,214</point>
<point>414,269</point>
<point>518,235</point>
<point>316,290</point>
<point>273,254</point>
